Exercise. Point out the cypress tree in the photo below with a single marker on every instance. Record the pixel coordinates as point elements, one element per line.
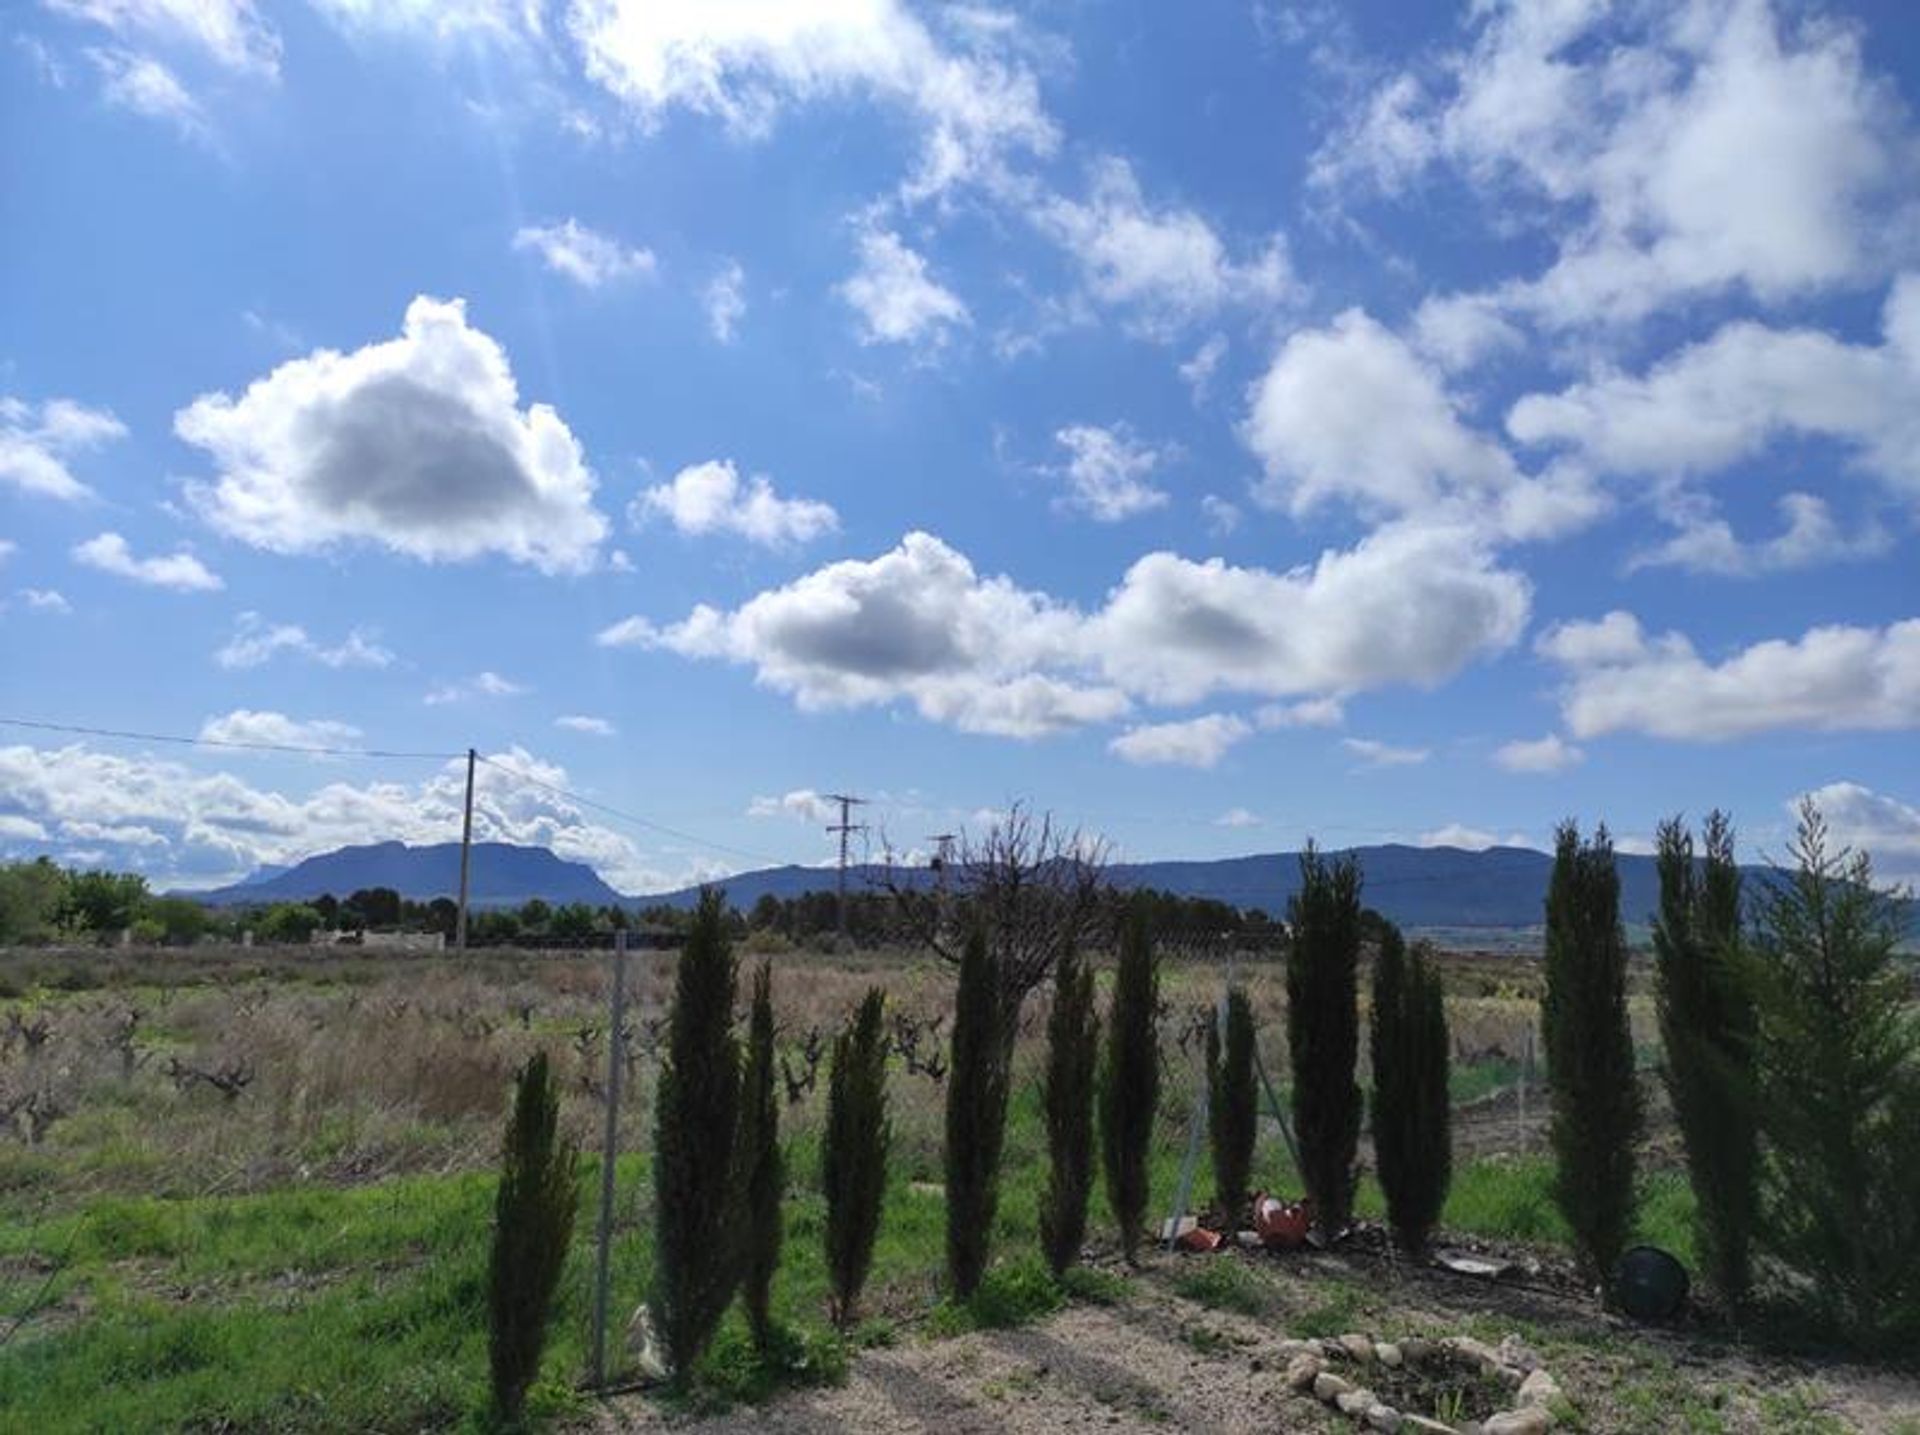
<point>1232,1110</point>
<point>1073,1044</point>
<point>853,1159</point>
<point>976,1115</point>
<point>1589,1045</point>
<point>762,1177</point>
<point>1412,1113</point>
<point>696,1117</point>
<point>1707,1032</point>
<point>1323,1033</point>
<point>1130,1083</point>
<point>532,1225</point>
<point>1840,1093</point>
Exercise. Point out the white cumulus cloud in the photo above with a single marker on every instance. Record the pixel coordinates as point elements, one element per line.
<point>1374,753</point>
<point>586,256</point>
<point>711,498</point>
<point>257,640</point>
<point>725,300</point>
<point>417,444</point>
<point>896,299</point>
<point>182,572</point>
<point>38,443</point>
<point>592,726</point>
<point>1196,742</point>
<point>247,727</point>
<point>1551,753</point>
<point>1109,472</point>
<point>1836,678</point>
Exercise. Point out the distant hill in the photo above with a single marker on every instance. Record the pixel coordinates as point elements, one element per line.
<point>1425,887</point>
<point>503,875</point>
<point>1500,887</point>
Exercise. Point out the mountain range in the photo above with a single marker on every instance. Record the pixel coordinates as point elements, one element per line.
<point>1423,887</point>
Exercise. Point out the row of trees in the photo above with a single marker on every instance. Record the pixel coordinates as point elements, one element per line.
<point>41,901</point>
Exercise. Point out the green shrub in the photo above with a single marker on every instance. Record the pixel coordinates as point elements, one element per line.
<point>1232,1109</point>
<point>532,1225</point>
<point>1839,1092</point>
<point>1412,1110</point>
<point>1323,1033</point>
<point>1589,1044</point>
<point>976,1115</point>
<point>1130,1082</point>
<point>696,1261</point>
<point>1707,1035</point>
<point>762,1176</point>
<point>853,1158</point>
<point>1073,1046</point>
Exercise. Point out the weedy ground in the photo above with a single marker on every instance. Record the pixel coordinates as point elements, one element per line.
<point>251,1190</point>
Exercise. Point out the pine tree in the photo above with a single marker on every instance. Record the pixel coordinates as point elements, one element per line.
<point>1839,1103</point>
<point>696,1117</point>
<point>762,1177</point>
<point>1707,1033</point>
<point>1589,1044</point>
<point>1412,1112</point>
<point>1073,1044</point>
<point>1323,1033</point>
<point>532,1226</point>
<point>853,1160</point>
<point>1232,1108</point>
<point>976,1115</point>
<point>1130,1083</point>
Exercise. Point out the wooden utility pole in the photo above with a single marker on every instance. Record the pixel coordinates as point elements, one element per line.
<point>845,826</point>
<point>466,858</point>
<point>603,1240</point>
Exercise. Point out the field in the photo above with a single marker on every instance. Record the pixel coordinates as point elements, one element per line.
<point>251,1190</point>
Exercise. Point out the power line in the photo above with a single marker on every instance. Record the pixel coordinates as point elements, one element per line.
<point>178,741</point>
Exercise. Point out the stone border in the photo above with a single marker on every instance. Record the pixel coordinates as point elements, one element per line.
<point>1510,1362</point>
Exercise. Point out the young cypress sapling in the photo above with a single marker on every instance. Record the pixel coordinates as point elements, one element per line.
<point>532,1225</point>
<point>1232,1109</point>
<point>853,1159</point>
<point>1323,1034</point>
<point>1412,1112</point>
<point>1589,1043</point>
<point>762,1179</point>
<point>976,1115</point>
<point>696,1118</point>
<point>1073,1045</point>
<point>1130,1084</point>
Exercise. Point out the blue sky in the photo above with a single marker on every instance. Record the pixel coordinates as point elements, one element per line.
<point>1215,424</point>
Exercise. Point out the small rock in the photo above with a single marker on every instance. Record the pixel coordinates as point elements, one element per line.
<point>1356,1402</point>
<point>1388,1354</point>
<point>1477,1351</point>
<point>1509,1374</point>
<point>1330,1387</point>
<point>1358,1346</point>
<point>1529,1421</point>
<point>649,1363</point>
<point>1539,1388</point>
<point>1290,1347</point>
<point>1514,1351</point>
<point>1416,1348</point>
<point>1383,1417</point>
<point>1303,1369</point>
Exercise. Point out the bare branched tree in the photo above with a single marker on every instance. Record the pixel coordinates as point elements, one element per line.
<point>1038,890</point>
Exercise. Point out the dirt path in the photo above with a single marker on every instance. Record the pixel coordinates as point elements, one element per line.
<point>1160,1361</point>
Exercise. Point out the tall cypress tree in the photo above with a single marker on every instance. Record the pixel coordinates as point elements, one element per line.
<point>1232,1108</point>
<point>1073,1045</point>
<point>1840,1092</point>
<point>976,1115</point>
<point>1707,1031</point>
<point>1323,1033</point>
<point>762,1175</point>
<point>1130,1083</point>
<point>1412,1112</point>
<point>853,1158</point>
<point>696,1261</point>
<point>1589,1045</point>
<point>532,1225</point>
